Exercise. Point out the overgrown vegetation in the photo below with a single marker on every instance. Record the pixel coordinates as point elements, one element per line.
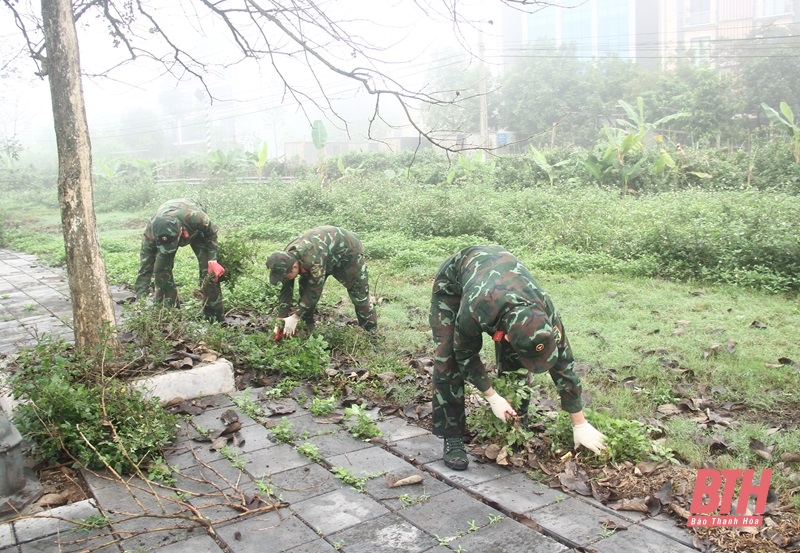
<point>72,413</point>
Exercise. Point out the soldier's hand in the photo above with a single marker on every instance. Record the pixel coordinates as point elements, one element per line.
<point>290,325</point>
<point>589,437</point>
<point>500,406</point>
<point>216,269</point>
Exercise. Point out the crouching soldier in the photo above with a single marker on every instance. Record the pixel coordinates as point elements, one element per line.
<point>485,289</point>
<point>318,253</point>
<point>177,223</point>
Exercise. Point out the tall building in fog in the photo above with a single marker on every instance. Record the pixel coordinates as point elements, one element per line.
<point>652,32</point>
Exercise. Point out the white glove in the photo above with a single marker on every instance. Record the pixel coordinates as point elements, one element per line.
<point>589,437</point>
<point>500,407</point>
<point>290,325</point>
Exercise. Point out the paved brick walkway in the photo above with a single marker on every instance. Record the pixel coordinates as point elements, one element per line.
<point>266,497</point>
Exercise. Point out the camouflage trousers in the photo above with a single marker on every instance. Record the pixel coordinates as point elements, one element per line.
<point>352,273</point>
<point>160,269</point>
<point>449,418</point>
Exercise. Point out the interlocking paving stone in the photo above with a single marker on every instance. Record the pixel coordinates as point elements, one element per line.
<point>477,473</point>
<point>316,546</point>
<point>574,520</point>
<point>196,544</point>
<point>147,533</point>
<point>665,525</point>
<point>331,445</point>
<point>424,448</point>
<point>273,531</point>
<point>302,483</point>
<point>508,536</point>
<point>368,461</point>
<point>397,428</point>
<point>6,535</point>
<point>210,419</point>
<point>305,428</point>
<point>54,521</point>
<point>638,539</point>
<point>72,542</point>
<point>449,514</point>
<point>221,472</point>
<point>255,437</point>
<point>338,510</point>
<point>275,459</point>
<point>379,488</point>
<point>387,534</point>
<point>517,493</point>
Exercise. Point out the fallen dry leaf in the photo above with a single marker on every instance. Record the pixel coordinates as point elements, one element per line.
<point>394,481</point>
<point>492,451</point>
<point>760,449</point>
<point>632,504</point>
<point>790,457</point>
<point>330,418</point>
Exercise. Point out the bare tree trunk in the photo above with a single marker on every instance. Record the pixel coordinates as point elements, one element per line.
<point>92,306</point>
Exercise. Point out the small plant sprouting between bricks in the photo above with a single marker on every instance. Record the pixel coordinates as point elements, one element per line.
<point>364,427</point>
<point>283,432</point>
<point>94,522</point>
<point>309,450</point>
<point>321,407</point>
<point>349,478</point>
<point>233,456</point>
<point>160,471</point>
<point>247,404</point>
<point>407,500</point>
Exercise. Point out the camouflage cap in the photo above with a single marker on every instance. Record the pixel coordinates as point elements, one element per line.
<point>279,263</point>
<point>167,231</point>
<point>532,337</point>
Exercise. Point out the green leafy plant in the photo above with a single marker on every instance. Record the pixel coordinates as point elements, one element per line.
<point>238,255</point>
<point>407,500</point>
<point>357,482</point>
<point>231,454</point>
<point>321,407</point>
<point>787,124</point>
<point>283,432</point>
<point>541,161</point>
<point>259,159</point>
<point>246,403</point>
<point>310,450</point>
<point>488,428</point>
<point>364,427</point>
<point>160,471</point>
<point>614,157</point>
<point>94,522</point>
<point>626,440</point>
<point>71,413</point>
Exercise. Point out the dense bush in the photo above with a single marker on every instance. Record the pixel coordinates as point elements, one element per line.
<point>72,417</point>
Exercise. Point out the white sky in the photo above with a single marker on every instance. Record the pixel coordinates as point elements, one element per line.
<point>412,41</point>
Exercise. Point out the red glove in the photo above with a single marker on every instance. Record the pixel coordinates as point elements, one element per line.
<point>216,269</point>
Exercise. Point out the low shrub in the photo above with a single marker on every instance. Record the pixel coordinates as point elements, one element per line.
<point>74,414</point>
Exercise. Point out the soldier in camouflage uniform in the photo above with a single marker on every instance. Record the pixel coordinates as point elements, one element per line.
<point>177,223</point>
<point>320,252</point>
<point>485,289</point>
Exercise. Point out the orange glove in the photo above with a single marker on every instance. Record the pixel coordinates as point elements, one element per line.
<point>216,269</point>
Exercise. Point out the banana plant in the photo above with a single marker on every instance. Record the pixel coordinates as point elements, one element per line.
<point>541,161</point>
<point>787,124</point>
<point>629,137</point>
<point>259,159</point>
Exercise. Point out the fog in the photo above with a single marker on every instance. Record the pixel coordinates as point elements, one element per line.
<point>131,105</point>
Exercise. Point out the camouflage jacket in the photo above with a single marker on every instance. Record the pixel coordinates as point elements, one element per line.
<point>192,216</point>
<point>320,252</point>
<point>491,282</point>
